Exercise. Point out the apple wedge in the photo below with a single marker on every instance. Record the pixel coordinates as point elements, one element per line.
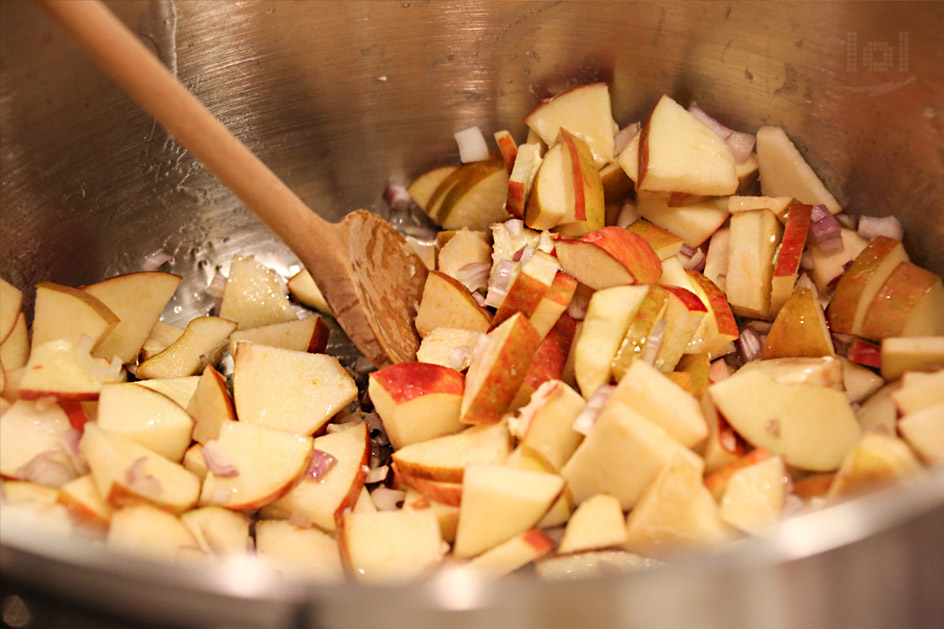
<point>533,289</point>
<point>718,329</point>
<point>755,495</point>
<point>180,389</point>
<point>160,338</point>
<point>648,323</point>
<point>210,406</point>
<point>859,285</point>
<point>62,312</point>
<point>253,295</point>
<point>322,500</point>
<point>390,547</point>
<point>500,502</point>
<point>550,359</point>
<point>876,460</point>
<point>60,370</point>
<point>31,432</point>
<point>146,417</point>
<point>301,553</point>
<point>445,458</point>
<point>590,565</point>
<point>449,494</point>
<point>778,205</point>
<point>80,496</point>
<point>11,302</point>
<point>126,473</point>
<point>597,523</point>
<point>799,329</point>
<point>465,247</point>
<point>447,303</point>
<point>829,267</point>
<point>15,348</point>
<point>477,197</point>
<point>684,315</point>
<point>496,374</point>
<point>137,299</point>
<point>787,265</point>
<point>544,426</point>
<point>149,533</point>
<point>527,163</point>
<point>507,147</point>
<point>303,288</point>
<point>784,172</point>
<point>610,256</point>
<point>567,191</point>
<point>717,257</point>
<point>417,401</point>
<point>663,242</point>
<point>509,556</point>
<point>754,238</point>
<point>923,353</point>
<point>255,465</point>
<point>201,344</point>
<point>909,303</point>
<point>585,111</point>
<point>288,390</point>
<point>449,347</point>
<point>219,531</point>
<point>924,430</point>
<point>302,335</point>
<point>694,221</point>
<point>425,186</point>
<point>914,396</point>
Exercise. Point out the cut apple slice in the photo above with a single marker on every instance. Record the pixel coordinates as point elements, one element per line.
<point>784,172</point>
<point>137,299</point>
<point>914,396</point>
<point>663,242</point>
<point>924,431</point>
<point>567,190</point>
<point>302,553</point>
<point>11,301</point>
<point>716,260</point>
<point>15,348</point>
<point>417,401</point>
<point>597,523</point>
<point>684,314</point>
<point>825,371</point>
<point>585,111</point>
<point>146,417</point>
<point>500,502</point>
<point>545,425</point>
<point>755,495</point>
<point>610,256</point>
<point>80,496</point>
<point>718,328</point>
<point>507,147</point>
<point>550,359</point>
<point>390,546</point>
<point>694,221</point>
<point>201,344</point>
<point>909,303</point>
<point>253,295</point>
<point>799,329</point>
<point>293,391</point>
<point>477,199</point>
<point>754,238</point>
<point>445,458</point>
<point>180,390</point>
<point>859,285</point>
<point>778,205</point>
<point>788,256</point>
<point>447,303</point>
<point>321,501</point>
<point>527,163</point>
<point>58,369</point>
<point>465,247</point>
<point>509,556</point>
<point>162,335</point>
<point>149,533</point>
<point>62,312</point>
<point>449,494</point>
<point>210,406</point>
<point>829,267</point>
<point>649,320</point>
<point>302,335</point>
<point>29,431</point>
<point>449,347</point>
<point>424,187</point>
<point>219,531</point>
<point>303,288</point>
<point>876,460</point>
<point>923,353</point>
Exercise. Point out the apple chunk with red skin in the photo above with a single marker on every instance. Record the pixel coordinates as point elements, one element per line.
<point>508,556</point>
<point>719,327</point>
<point>302,335</point>
<point>447,303</point>
<point>527,162</point>
<point>62,312</point>
<point>909,303</point>
<point>800,329</point>
<point>549,359</point>
<point>445,458</point>
<point>417,401</point>
<point>495,376</point>
<point>663,242</point>
<point>859,285</point>
<point>754,237</point>
<point>586,111</point>
<point>788,258</point>
<point>684,314</point>
<point>610,256</point>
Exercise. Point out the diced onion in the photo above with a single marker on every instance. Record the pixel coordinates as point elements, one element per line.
<point>749,345</point>
<point>718,371</point>
<point>500,280</point>
<point>578,305</point>
<point>460,357</point>
<point>761,327</point>
<point>584,422</point>
<point>827,233</point>
<point>154,261</point>
<point>888,226</point>
<point>653,342</point>
<point>140,481</point>
<point>44,469</point>
<point>397,197</point>
<point>216,460</point>
<point>321,464</point>
<point>386,499</point>
<point>474,276</point>
<point>472,145</point>
<point>716,127</point>
<point>513,226</point>
<point>741,145</point>
<point>623,137</point>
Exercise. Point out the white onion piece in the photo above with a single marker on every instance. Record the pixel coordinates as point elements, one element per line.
<point>686,250</point>
<point>627,215</point>
<point>69,440</point>
<point>474,276</point>
<point>696,261</point>
<point>386,499</point>
<point>584,422</point>
<point>154,261</point>
<point>377,474</point>
<point>472,145</point>
<point>397,197</point>
<point>502,274</point>
<point>741,145</point>
<point>749,345</point>
<point>216,460</point>
<point>653,342</point>
<point>623,137</point>
<point>513,226</point>
<point>479,298</point>
<point>888,226</point>
<point>718,371</point>
<point>321,464</point>
<point>44,469</point>
<point>140,481</point>
<point>460,357</point>
<point>827,233</point>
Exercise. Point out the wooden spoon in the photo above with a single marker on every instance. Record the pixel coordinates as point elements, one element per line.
<point>370,276</point>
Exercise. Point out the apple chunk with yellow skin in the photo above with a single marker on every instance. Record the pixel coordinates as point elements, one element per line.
<point>799,329</point>
<point>909,303</point>
<point>663,242</point>
<point>137,299</point>
<point>678,153</point>
<point>477,199</point>
<point>500,502</point>
<point>813,427</point>
<point>495,376</point>
<point>754,238</point>
<point>210,406</point>
<point>302,335</point>
<point>527,163</point>
<point>784,172</point>
<point>859,285</point>
<point>321,502</point>
<point>160,338</point>
<point>11,301</point>
<point>508,556</point>
<point>127,473</point>
<point>755,495</point>
<point>676,512</point>
<point>201,344</point>
<point>417,401</point>
<point>610,256</point>
<point>302,553</point>
<point>389,547</point>
<point>585,111</point>
<point>288,390</point>
<point>253,295</point>
<point>445,458</point>
<point>147,417</point>
<point>62,312</point>
<point>447,303</point>
<point>60,370</point>
<point>597,523</point>
<point>788,256</point>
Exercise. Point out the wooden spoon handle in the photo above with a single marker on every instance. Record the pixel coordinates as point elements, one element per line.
<point>120,53</point>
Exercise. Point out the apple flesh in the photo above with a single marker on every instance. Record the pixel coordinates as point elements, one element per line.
<point>899,355</point>
<point>859,285</point>
<point>62,312</point>
<point>585,111</point>
<point>694,221</point>
<point>302,553</point>
<point>201,344</point>
<point>610,256</point>
<point>799,329</point>
<point>253,295</point>
<point>597,523</point>
<point>784,172</point>
<point>302,335</point>
<point>146,417</point>
<point>447,303</point>
<point>788,256</point>
<point>509,556</point>
<point>527,163</point>
<point>445,458</point>
<point>390,547</point>
<point>754,237</point>
<point>909,303</point>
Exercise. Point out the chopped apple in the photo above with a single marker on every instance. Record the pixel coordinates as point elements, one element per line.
<point>80,496</point>
<point>538,284</point>
<point>219,531</point>
<point>567,190</point>
<point>447,303</point>
<point>18,492</point>
<point>60,370</point>
<point>303,288</point>
<point>597,523</point>
<point>824,371</point>
<point>663,242</point>
<point>390,546</point>
<point>28,432</point>
<point>716,260</point>
<point>654,396</point>
<point>302,553</point>
<point>446,514</point>
<point>608,318</point>
<point>593,564</point>
<point>722,446</point>
<point>509,556</point>
<point>610,256</point>
<point>876,460</point>
<point>584,111</point>
<point>859,382</point>
<point>302,335</point>
<point>500,502</point>
<point>417,401</point>
<point>878,413</point>
<point>147,532</point>
<point>545,424</point>
<point>622,455</point>
<point>694,221</point>
<point>912,396</point>
<point>126,473</point>
<point>424,187</point>
<point>495,375</point>
<point>924,430</point>
<point>11,302</point>
<point>911,354</point>
<point>524,458</point>
<point>445,458</point>
<point>675,512</point>
<point>909,303</point>
<point>829,267</point>
<point>813,427</point>
<point>180,389</point>
<point>507,147</point>
<point>162,335</point>
<point>755,495</point>
<point>322,500</point>
<point>527,163</point>
<point>550,359</point>
<point>718,328</point>
<point>684,314</point>
<point>477,199</point>
<point>447,493</point>
<point>778,205</point>
<point>62,312</point>
<point>255,465</point>
<point>15,348</point>
<point>137,299</point>
<point>754,237</point>
<point>293,391</point>
<point>147,417</point>
<point>201,344</point>
<point>648,319</point>
<point>464,248</point>
<point>784,172</point>
<point>788,256</point>
<point>799,329</point>
<point>210,406</point>
<point>253,295</point>
<point>449,347</point>
<point>859,285</point>
<point>678,153</point>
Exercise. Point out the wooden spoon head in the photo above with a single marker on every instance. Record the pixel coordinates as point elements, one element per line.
<point>376,297</point>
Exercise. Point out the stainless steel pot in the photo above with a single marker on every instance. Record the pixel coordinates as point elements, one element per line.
<point>341,97</point>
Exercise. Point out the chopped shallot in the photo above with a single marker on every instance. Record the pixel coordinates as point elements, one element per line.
<point>321,464</point>
<point>154,261</point>
<point>474,276</point>
<point>386,499</point>
<point>740,144</point>
<point>216,460</point>
<point>460,357</point>
<point>140,481</point>
<point>888,226</point>
<point>397,197</point>
<point>827,233</point>
<point>653,342</point>
<point>696,261</point>
<point>622,138</point>
<point>503,272</point>
<point>749,345</point>
<point>472,145</point>
<point>584,422</point>
<point>718,371</point>
<point>44,469</point>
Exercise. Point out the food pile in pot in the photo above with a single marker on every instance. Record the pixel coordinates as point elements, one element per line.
<point>635,342</point>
